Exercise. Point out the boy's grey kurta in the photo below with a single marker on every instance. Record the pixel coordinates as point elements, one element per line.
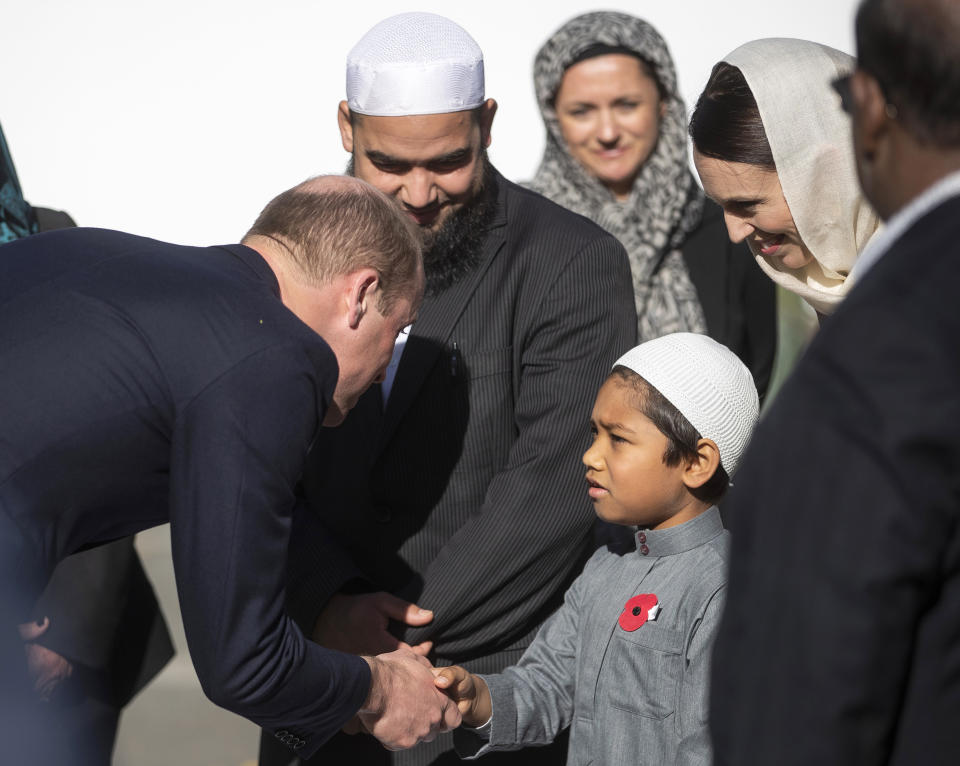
<point>637,697</point>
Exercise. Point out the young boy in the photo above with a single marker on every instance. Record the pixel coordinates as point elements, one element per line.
<point>625,661</point>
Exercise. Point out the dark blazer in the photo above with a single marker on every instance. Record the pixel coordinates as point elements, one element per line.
<point>739,301</point>
<point>146,382</point>
<point>841,639</point>
<point>466,494</point>
<point>104,615</point>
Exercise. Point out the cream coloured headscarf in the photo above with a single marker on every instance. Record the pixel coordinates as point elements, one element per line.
<point>812,146</point>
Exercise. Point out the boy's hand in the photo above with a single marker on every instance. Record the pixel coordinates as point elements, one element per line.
<point>404,706</point>
<point>470,692</point>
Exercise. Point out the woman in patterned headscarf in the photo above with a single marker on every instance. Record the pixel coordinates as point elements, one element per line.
<point>617,153</point>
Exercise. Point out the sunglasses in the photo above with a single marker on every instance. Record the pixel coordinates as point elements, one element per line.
<point>842,86</point>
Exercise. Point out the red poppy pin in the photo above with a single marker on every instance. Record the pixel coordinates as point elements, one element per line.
<point>638,610</point>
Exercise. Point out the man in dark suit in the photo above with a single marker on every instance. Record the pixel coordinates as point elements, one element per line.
<point>841,639</point>
<point>457,483</point>
<point>98,635</point>
<point>146,382</point>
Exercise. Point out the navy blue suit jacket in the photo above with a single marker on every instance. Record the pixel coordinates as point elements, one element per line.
<point>145,382</point>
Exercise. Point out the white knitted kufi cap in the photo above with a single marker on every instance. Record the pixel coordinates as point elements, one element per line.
<point>706,382</point>
<point>414,63</point>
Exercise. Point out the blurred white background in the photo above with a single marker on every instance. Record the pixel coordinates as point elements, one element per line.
<point>181,119</point>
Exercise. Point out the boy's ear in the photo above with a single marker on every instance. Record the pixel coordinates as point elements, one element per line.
<point>700,468</point>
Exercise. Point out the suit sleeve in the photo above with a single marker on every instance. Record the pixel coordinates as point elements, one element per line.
<point>85,601</point>
<point>498,574</point>
<point>238,451</point>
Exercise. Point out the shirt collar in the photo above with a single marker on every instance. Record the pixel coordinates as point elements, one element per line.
<point>652,543</point>
<point>256,263</point>
<point>919,206</point>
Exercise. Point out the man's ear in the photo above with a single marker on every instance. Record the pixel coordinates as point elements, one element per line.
<point>362,286</point>
<point>871,118</point>
<point>701,467</point>
<point>487,112</point>
<point>346,127</point>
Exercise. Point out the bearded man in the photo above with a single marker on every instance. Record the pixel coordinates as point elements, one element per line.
<point>457,482</point>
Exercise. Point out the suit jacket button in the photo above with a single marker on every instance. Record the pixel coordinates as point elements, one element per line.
<point>644,550</point>
<point>641,537</point>
<point>382,514</point>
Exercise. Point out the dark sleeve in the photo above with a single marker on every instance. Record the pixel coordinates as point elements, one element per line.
<point>238,452</point>
<point>48,219</point>
<point>844,524</point>
<point>739,301</point>
<point>505,567</point>
<point>85,601</point>
<point>318,567</point>
<point>756,295</point>
<point>104,616</point>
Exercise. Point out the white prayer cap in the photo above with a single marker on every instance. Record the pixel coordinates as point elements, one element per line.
<point>706,382</point>
<point>414,63</point>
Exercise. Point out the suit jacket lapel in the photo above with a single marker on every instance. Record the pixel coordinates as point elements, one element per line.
<point>430,334</point>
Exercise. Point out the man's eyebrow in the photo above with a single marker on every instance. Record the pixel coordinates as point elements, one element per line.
<point>457,155</point>
<point>384,159</point>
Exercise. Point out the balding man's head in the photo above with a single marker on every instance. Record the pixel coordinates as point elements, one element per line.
<point>333,225</point>
<point>912,49</point>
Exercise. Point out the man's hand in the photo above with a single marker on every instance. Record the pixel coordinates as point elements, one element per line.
<point>470,692</point>
<point>404,706</point>
<point>358,623</point>
<point>47,668</point>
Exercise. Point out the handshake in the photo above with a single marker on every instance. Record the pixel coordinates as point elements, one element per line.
<point>411,701</point>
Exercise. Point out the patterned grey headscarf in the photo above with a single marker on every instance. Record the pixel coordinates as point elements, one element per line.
<point>665,204</point>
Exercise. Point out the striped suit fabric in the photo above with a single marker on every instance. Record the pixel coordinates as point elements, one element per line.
<point>466,492</point>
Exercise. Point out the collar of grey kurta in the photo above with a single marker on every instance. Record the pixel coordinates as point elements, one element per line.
<point>654,543</point>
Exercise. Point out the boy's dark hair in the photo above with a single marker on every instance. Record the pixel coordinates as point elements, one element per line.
<point>726,123</point>
<point>680,433</point>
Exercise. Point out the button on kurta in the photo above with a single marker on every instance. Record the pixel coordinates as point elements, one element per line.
<point>644,550</point>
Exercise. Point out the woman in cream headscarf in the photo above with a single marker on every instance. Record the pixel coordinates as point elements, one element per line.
<point>773,147</point>
<point>616,152</point>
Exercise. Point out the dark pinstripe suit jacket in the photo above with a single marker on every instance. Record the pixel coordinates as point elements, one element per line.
<point>466,493</point>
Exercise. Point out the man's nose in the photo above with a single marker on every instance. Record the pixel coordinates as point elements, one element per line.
<point>419,189</point>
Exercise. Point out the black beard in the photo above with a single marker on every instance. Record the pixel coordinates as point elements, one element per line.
<point>453,251</point>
